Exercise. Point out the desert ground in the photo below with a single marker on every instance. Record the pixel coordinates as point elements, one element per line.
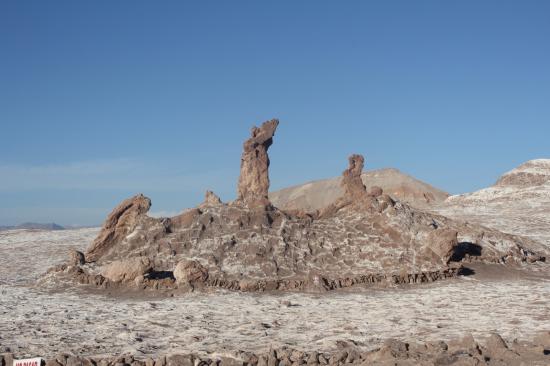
<point>38,320</point>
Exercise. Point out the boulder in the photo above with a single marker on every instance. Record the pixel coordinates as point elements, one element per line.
<point>375,191</point>
<point>76,258</point>
<point>7,359</point>
<point>498,349</point>
<point>254,178</point>
<point>466,344</point>
<point>120,222</point>
<point>190,272</point>
<point>127,269</point>
<point>543,339</point>
<point>443,243</point>
<point>179,360</point>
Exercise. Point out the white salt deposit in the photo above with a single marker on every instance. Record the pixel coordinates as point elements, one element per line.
<point>35,322</point>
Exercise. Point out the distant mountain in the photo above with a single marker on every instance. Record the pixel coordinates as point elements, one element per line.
<point>318,194</point>
<point>34,226</point>
<point>518,203</point>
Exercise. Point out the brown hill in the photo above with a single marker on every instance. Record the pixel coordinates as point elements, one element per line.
<point>315,195</point>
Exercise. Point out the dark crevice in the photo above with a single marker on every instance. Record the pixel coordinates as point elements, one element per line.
<point>466,248</point>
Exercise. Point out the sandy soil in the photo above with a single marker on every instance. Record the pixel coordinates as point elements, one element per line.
<point>35,321</point>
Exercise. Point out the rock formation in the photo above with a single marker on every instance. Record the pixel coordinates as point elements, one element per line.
<point>210,199</point>
<point>362,240</point>
<point>353,186</point>
<point>120,222</point>
<point>253,185</point>
<point>355,192</point>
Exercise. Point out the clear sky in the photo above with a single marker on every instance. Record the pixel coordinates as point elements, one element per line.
<point>100,100</point>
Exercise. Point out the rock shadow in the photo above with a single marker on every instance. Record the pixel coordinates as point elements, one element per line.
<point>466,248</point>
<point>465,271</point>
<point>161,275</point>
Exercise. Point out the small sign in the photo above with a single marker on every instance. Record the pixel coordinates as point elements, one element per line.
<point>28,362</point>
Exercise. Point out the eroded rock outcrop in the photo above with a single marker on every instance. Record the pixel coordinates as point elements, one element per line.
<point>210,199</point>
<point>355,192</point>
<point>253,185</point>
<point>120,222</point>
<point>363,240</point>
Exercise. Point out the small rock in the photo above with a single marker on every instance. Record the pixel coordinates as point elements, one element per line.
<point>127,269</point>
<point>542,339</point>
<point>496,343</point>
<point>190,272</point>
<point>161,361</point>
<point>338,357</point>
<point>313,358</point>
<point>76,258</point>
<point>52,362</point>
<point>179,360</point>
<point>8,358</point>
<point>228,361</point>
<point>375,191</point>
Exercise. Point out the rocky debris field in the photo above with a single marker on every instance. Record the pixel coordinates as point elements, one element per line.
<point>35,321</point>
<point>466,351</point>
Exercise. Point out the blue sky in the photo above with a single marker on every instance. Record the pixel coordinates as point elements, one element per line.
<point>100,100</point>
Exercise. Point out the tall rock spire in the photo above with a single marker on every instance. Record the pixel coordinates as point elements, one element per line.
<point>254,178</point>
<point>352,183</point>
